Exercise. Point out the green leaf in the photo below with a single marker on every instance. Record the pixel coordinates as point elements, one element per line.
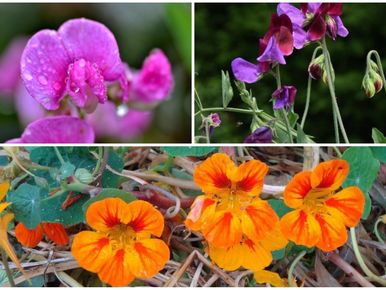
<point>26,204</point>
<point>52,210</point>
<point>379,153</point>
<point>279,207</point>
<point>378,136</point>
<point>67,170</point>
<point>4,160</point>
<point>364,169</point>
<point>110,192</point>
<point>292,118</point>
<point>115,161</point>
<point>188,150</point>
<point>294,249</point>
<point>227,90</point>
<point>301,137</point>
<point>278,254</point>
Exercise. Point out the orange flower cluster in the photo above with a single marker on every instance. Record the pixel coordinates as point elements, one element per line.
<point>121,247</point>
<point>31,238</point>
<point>321,215</point>
<point>241,229</point>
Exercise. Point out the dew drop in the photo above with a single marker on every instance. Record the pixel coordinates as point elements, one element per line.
<point>27,76</point>
<point>42,80</point>
<point>122,110</point>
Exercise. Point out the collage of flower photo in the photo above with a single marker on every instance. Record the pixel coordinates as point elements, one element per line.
<point>192,144</point>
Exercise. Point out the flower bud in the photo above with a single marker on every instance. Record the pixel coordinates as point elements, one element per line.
<point>377,80</point>
<point>332,27</point>
<point>316,67</point>
<point>84,176</point>
<point>368,86</point>
<point>260,135</point>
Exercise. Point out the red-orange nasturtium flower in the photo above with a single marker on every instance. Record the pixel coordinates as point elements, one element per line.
<point>121,247</point>
<point>321,215</point>
<point>31,238</point>
<point>235,222</point>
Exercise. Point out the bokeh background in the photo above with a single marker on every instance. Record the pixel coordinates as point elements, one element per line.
<point>226,31</point>
<point>138,29</point>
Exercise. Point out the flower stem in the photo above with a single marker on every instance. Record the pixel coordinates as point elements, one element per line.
<point>207,132</point>
<point>283,112</point>
<point>361,263</point>
<point>376,232</point>
<point>291,278</point>
<point>60,157</point>
<point>330,82</point>
<point>308,98</point>
<point>379,63</point>
<point>6,268</point>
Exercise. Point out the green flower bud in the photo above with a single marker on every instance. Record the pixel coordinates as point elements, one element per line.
<point>84,176</point>
<point>377,80</point>
<point>368,86</point>
<point>316,67</point>
<point>373,66</point>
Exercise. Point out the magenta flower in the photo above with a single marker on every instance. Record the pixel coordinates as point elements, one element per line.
<point>317,19</point>
<point>279,41</point>
<point>214,122</point>
<point>154,82</point>
<point>260,135</point>
<point>284,97</point>
<point>77,60</point>
<point>122,123</point>
<point>10,68</point>
<point>57,129</point>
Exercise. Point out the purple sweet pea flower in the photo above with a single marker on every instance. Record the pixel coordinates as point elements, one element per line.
<point>77,60</point>
<point>154,82</point>
<point>10,67</point>
<point>317,19</point>
<point>284,97</point>
<point>214,122</point>
<point>57,129</point>
<point>122,124</point>
<point>260,135</point>
<point>245,71</point>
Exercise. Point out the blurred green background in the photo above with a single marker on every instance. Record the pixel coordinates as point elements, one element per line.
<point>138,29</point>
<point>226,31</point>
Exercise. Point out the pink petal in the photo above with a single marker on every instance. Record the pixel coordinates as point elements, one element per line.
<point>91,40</point>
<point>154,82</point>
<point>44,67</point>
<point>58,129</point>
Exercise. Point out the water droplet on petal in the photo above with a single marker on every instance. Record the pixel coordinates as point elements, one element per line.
<point>42,80</point>
<point>27,76</point>
<point>122,110</point>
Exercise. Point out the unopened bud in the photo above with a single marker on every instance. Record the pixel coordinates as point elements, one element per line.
<point>84,176</point>
<point>368,86</point>
<point>316,67</point>
<point>325,76</point>
<point>377,80</point>
<point>373,66</point>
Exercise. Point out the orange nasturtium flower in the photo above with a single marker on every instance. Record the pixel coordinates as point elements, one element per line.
<point>4,222</point>
<point>121,247</point>
<point>31,238</point>
<point>321,215</point>
<point>241,229</point>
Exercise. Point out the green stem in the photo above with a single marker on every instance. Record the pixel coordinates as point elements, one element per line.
<point>361,263</point>
<point>336,127</point>
<point>328,67</point>
<point>379,63</point>
<point>283,112</point>
<point>308,98</point>
<point>60,157</point>
<point>6,268</point>
<point>376,232</point>
<point>99,161</point>
<point>291,278</point>
<point>67,279</point>
<point>207,132</point>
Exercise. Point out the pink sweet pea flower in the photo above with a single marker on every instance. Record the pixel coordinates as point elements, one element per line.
<point>77,60</point>
<point>123,124</point>
<point>154,82</point>
<point>57,129</point>
<point>10,68</point>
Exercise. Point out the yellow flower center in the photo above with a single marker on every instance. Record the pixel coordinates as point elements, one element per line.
<point>314,200</point>
<point>122,236</point>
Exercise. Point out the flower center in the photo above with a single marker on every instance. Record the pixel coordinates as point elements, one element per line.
<point>314,200</point>
<point>122,236</point>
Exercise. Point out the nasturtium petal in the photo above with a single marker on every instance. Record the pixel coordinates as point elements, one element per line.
<point>194,219</point>
<point>56,233</point>
<point>103,215</point>
<point>3,206</point>
<point>258,219</point>
<point>223,230</point>
<point>274,240</point>
<point>141,216</point>
<point>92,250</point>
<point>28,237</point>
<point>350,202</point>
<point>330,174</point>
<point>297,189</point>
<point>249,177</point>
<point>229,259</point>
<point>4,242</point>
<point>301,228</point>
<point>264,276</point>
<point>4,187</point>
<point>147,257</point>
<point>115,271</point>
<point>211,175</point>
<point>333,232</point>
<point>254,256</point>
